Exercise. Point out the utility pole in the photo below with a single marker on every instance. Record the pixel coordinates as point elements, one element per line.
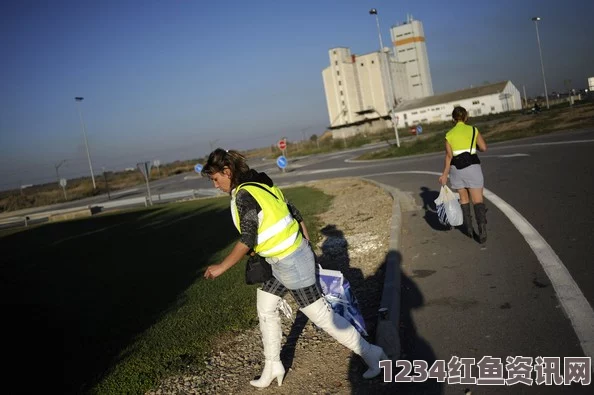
<point>525,100</point>
<point>78,99</point>
<point>391,110</point>
<point>544,80</point>
<point>106,184</point>
<point>57,166</point>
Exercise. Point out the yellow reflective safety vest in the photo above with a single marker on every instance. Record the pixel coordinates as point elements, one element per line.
<point>278,232</point>
<point>460,137</point>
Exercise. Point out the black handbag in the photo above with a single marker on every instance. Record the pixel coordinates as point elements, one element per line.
<point>466,159</point>
<point>257,270</point>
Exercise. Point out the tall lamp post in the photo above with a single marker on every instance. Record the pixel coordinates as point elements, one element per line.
<point>373,11</point>
<point>78,100</point>
<point>536,19</point>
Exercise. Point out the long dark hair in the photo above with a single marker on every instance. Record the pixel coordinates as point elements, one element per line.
<point>233,160</point>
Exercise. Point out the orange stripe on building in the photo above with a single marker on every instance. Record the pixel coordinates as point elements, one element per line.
<point>409,40</point>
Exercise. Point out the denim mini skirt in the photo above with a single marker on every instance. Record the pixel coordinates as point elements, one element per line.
<point>297,270</point>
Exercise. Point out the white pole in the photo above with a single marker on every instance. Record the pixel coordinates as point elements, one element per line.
<point>544,80</point>
<point>373,11</point>
<point>78,100</point>
<point>379,32</point>
<point>148,188</point>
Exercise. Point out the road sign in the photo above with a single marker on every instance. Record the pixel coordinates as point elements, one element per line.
<point>419,129</point>
<point>282,144</point>
<point>62,182</point>
<point>145,168</point>
<point>157,162</point>
<point>413,130</point>
<point>281,162</point>
<point>198,168</point>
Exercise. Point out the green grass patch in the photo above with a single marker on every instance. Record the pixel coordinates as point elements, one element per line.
<point>110,304</point>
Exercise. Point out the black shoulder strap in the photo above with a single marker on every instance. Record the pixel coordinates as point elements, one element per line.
<point>259,186</point>
<point>472,140</point>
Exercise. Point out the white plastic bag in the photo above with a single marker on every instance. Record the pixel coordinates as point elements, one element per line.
<point>448,207</point>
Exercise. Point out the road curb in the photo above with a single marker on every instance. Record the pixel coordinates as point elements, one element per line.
<point>388,324</point>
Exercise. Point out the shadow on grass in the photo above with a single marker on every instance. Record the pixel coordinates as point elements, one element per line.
<point>75,294</point>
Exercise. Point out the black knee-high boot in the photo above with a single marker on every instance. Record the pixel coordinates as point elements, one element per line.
<point>467,217</point>
<point>481,219</point>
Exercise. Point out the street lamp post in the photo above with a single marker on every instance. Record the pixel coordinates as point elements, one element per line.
<point>78,100</point>
<point>373,11</point>
<point>544,80</point>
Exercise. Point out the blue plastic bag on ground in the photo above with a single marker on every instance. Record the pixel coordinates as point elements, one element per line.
<point>337,292</point>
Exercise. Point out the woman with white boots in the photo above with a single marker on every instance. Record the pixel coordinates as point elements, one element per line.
<point>273,228</point>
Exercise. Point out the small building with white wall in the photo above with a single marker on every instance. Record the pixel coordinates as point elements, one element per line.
<point>482,100</point>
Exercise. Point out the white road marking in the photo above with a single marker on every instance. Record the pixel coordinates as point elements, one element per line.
<point>309,172</point>
<point>124,192</point>
<point>562,142</point>
<point>504,156</point>
<point>570,296</point>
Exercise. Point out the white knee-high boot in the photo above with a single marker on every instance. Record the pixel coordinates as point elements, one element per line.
<point>321,314</point>
<point>270,326</point>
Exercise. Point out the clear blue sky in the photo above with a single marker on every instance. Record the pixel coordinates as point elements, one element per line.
<point>165,79</point>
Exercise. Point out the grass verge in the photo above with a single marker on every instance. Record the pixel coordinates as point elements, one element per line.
<point>110,304</point>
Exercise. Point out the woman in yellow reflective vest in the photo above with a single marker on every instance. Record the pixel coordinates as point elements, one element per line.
<point>463,166</point>
<point>273,228</point>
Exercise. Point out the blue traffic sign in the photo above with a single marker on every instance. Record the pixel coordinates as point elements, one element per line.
<point>198,168</point>
<point>281,162</point>
<point>419,129</point>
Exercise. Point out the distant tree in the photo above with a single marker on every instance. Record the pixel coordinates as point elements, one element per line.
<point>314,138</point>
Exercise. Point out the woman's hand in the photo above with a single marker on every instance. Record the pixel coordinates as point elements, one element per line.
<point>238,252</point>
<point>443,179</point>
<point>214,271</point>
